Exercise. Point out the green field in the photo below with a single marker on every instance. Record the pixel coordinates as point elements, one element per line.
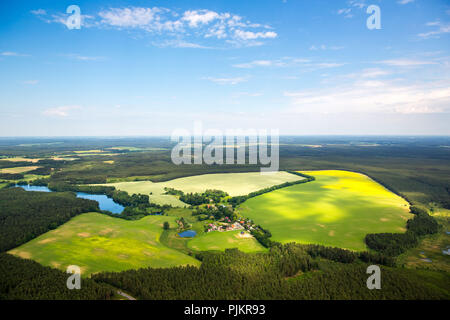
<point>96,242</point>
<point>225,240</point>
<point>338,209</point>
<point>234,184</point>
<point>146,187</point>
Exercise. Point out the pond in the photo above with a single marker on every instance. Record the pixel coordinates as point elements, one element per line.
<point>104,202</point>
<point>188,234</point>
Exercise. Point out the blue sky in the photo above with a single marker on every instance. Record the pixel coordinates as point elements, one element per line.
<point>150,67</point>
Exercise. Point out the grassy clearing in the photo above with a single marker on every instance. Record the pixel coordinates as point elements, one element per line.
<point>233,183</point>
<point>338,209</point>
<point>225,240</point>
<point>96,242</point>
<point>429,254</point>
<point>18,169</point>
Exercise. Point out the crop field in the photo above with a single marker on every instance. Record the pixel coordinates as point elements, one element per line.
<point>21,159</point>
<point>225,240</point>
<point>96,242</point>
<point>154,190</point>
<point>234,184</point>
<point>18,169</point>
<point>338,209</point>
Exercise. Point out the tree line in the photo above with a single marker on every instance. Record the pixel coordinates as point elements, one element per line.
<point>237,200</point>
<point>393,244</point>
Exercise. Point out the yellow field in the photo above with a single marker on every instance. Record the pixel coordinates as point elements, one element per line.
<point>21,159</point>
<point>337,209</point>
<point>18,169</point>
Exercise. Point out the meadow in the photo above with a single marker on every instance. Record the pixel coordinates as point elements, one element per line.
<point>220,241</point>
<point>338,209</point>
<point>96,242</point>
<point>234,184</point>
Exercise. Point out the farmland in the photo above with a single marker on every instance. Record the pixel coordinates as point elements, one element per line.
<point>225,240</point>
<point>338,209</point>
<point>96,242</point>
<point>18,169</point>
<point>233,183</point>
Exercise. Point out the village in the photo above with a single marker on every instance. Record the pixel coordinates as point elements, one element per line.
<point>225,224</point>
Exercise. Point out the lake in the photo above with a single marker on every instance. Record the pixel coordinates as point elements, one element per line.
<point>188,234</point>
<point>104,202</point>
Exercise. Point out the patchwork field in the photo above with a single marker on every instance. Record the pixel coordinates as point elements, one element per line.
<point>96,242</point>
<point>234,184</point>
<point>338,209</point>
<point>225,240</point>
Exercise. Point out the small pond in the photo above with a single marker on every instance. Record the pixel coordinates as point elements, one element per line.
<point>104,202</point>
<point>188,234</point>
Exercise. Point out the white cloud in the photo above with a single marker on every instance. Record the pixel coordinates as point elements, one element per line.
<point>63,111</point>
<point>227,81</point>
<point>405,1</point>
<point>39,12</point>
<point>324,47</point>
<point>199,17</point>
<point>307,64</point>
<point>406,62</point>
<point>84,58</point>
<point>129,17</point>
<point>247,94</point>
<point>61,18</point>
<point>358,4</point>
<point>179,44</point>
<point>369,73</point>
<point>348,12</point>
<point>258,63</point>
<point>31,82</point>
<point>442,28</point>
<point>181,27</point>
<point>13,54</point>
<point>329,65</point>
<point>374,97</point>
<point>344,11</point>
<point>250,35</point>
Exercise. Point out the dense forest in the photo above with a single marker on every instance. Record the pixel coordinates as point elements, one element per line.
<point>285,272</point>
<point>22,279</point>
<point>24,215</point>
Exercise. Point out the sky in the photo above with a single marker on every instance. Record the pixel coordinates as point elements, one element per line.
<point>304,67</point>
